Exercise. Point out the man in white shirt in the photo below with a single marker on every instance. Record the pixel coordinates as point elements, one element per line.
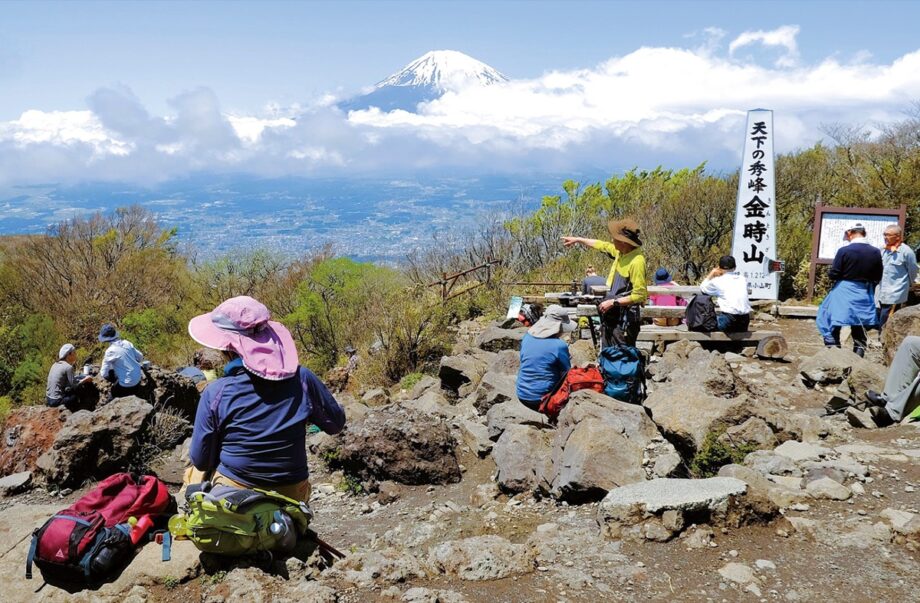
<point>731,291</point>
<point>121,365</point>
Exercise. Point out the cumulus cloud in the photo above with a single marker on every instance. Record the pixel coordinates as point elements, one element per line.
<point>656,105</point>
<point>783,37</point>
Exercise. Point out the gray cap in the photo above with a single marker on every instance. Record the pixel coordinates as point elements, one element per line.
<point>66,349</point>
<point>555,319</point>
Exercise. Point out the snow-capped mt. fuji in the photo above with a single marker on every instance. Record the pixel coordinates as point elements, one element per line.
<point>425,79</point>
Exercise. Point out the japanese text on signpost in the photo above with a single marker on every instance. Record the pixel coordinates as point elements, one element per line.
<point>754,240</point>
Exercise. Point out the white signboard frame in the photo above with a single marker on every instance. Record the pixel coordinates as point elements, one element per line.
<point>754,240</point>
<point>830,224</point>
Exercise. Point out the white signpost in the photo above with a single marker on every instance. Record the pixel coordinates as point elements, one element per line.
<point>754,241</point>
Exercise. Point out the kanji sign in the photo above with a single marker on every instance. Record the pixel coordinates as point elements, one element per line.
<point>754,241</point>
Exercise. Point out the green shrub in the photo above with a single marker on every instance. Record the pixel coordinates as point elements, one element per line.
<point>715,454</point>
<point>410,380</point>
<point>6,406</point>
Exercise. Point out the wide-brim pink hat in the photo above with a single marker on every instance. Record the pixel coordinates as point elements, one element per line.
<point>241,325</point>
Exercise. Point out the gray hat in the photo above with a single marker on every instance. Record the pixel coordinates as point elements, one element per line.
<point>66,349</point>
<point>555,320</point>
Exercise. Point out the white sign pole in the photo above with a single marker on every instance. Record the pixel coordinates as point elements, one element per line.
<point>754,241</point>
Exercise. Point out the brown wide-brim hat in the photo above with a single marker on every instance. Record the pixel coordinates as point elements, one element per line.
<point>625,231</point>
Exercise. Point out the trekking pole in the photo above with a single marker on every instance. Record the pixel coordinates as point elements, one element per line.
<point>324,546</point>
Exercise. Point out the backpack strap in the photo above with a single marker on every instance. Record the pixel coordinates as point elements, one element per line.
<point>212,408</point>
<point>31,557</point>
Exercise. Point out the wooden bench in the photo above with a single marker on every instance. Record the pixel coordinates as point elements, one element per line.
<point>770,344</point>
<point>796,311</point>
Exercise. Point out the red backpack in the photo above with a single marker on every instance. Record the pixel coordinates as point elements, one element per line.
<point>577,378</point>
<point>87,540</point>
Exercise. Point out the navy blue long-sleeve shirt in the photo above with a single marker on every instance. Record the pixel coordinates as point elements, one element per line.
<point>254,431</point>
<point>859,261</point>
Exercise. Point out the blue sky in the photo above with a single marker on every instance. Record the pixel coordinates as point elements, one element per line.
<point>54,54</point>
<point>168,64</point>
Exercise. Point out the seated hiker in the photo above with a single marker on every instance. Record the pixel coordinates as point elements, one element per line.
<point>202,370</point>
<point>663,279</point>
<point>856,271</point>
<point>62,386</point>
<point>592,279</point>
<point>731,291</point>
<point>545,357</point>
<point>620,311</point>
<point>121,365</point>
<point>901,396</point>
<point>251,424</point>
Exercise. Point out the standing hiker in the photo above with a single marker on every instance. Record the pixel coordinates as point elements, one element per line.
<point>620,310</point>
<point>592,279</point>
<point>251,424</point>
<point>899,269</point>
<point>857,270</point>
<point>121,365</point>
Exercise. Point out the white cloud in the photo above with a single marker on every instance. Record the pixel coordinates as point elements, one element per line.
<point>782,37</point>
<point>675,106</point>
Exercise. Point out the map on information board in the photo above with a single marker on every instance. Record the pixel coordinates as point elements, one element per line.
<point>833,225</point>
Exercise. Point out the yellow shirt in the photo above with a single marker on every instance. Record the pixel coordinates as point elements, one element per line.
<point>627,272</point>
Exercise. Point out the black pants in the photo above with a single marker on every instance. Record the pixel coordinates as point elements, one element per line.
<point>733,323</point>
<point>620,326</point>
<point>120,391</point>
<point>69,401</point>
<point>860,338</point>
<point>884,311</point>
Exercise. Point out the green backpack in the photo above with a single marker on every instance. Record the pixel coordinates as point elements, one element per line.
<point>235,522</point>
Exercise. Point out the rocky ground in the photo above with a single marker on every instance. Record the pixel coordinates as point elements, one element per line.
<point>454,492</point>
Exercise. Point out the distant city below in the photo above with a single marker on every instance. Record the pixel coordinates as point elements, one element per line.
<point>367,219</point>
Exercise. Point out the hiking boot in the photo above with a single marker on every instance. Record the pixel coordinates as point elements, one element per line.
<point>880,416</point>
<point>875,398</point>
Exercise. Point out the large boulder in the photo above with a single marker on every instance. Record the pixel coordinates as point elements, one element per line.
<point>376,397</point>
<point>488,557</point>
<point>96,444</point>
<point>660,509</point>
<point>583,352</point>
<point>456,372</point>
<point>432,402</point>
<point>687,414</point>
<point>507,362</point>
<point>168,389</point>
<point>495,388</point>
<point>28,433</point>
<point>828,365</point>
<point>399,444</point>
<point>495,339</point>
<point>501,416</point>
<point>902,323</point>
<point>602,443</point>
<point>522,456</point>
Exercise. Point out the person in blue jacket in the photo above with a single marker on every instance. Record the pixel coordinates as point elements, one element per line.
<point>545,359</point>
<point>856,271</point>
<point>251,424</point>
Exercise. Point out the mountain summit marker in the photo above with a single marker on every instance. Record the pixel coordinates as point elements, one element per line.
<point>754,242</point>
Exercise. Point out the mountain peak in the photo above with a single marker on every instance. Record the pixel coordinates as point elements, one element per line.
<point>444,70</point>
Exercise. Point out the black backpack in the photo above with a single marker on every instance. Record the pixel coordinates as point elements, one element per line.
<point>701,314</point>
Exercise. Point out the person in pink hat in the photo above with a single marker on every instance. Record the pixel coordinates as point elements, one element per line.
<point>251,424</point>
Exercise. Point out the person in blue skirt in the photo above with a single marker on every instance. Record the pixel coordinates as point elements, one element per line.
<point>856,271</point>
